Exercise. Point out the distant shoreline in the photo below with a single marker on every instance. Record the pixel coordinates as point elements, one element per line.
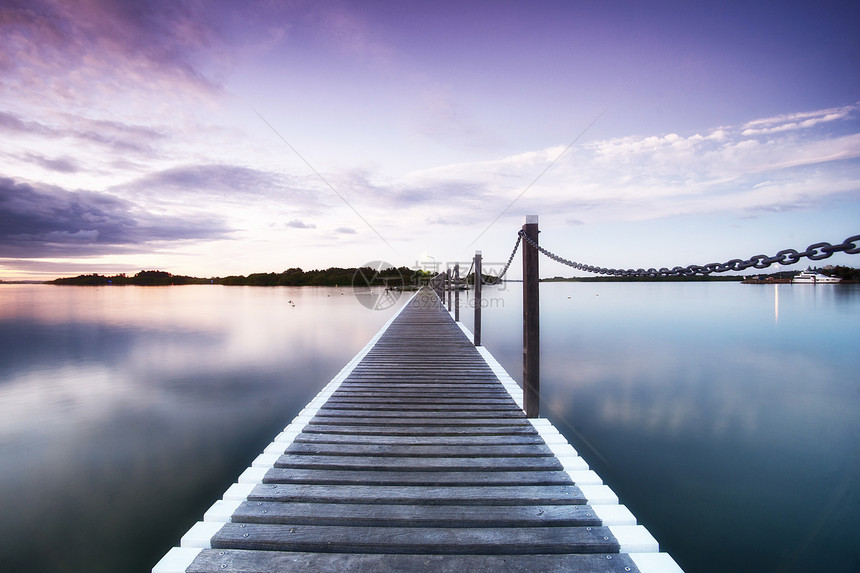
<point>394,278</point>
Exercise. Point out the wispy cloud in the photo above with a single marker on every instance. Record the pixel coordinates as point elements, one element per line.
<point>788,161</point>
<point>58,164</point>
<point>112,135</point>
<point>796,121</point>
<point>223,181</point>
<point>61,47</point>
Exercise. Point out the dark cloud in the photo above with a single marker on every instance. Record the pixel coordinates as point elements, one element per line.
<point>41,221</point>
<point>42,266</point>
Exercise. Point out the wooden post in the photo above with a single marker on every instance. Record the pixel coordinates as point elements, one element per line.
<point>448,283</point>
<point>531,321</point>
<point>477,299</point>
<point>456,293</point>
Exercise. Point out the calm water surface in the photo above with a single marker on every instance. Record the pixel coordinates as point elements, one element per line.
<point>126,411</point>
<point>724,415</point>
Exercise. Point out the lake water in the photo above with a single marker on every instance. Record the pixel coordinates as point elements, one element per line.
<point>126,411</point>
<point>724,415</point>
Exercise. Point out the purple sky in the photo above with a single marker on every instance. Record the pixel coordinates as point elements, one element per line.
<point>215,138</point>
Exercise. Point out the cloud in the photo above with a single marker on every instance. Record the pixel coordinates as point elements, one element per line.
<point>60,164</point>
<point>106,52</point>
<point>112,135</point>
<point>797,121</point>
<point>345,231</point>
<point>148,40</point>
<point>224,181</point>
<point>43,221</point>
<point>297,224</point>
<point>727,169</point>
<point>12,123</point>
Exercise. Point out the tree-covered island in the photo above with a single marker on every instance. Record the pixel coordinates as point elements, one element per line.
<point>334,276</point>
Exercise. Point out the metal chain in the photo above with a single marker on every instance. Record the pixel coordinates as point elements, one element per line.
<point>497,279</point>
<point>814,252</point>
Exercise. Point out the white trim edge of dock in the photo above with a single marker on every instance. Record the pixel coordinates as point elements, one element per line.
<point>655,563</point>
<point>177,560</point>
<point>199,536</point>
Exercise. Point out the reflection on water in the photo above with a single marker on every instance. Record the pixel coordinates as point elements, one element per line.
<point>730,430</point>
<point>776,304</point>
<point>125,412</point>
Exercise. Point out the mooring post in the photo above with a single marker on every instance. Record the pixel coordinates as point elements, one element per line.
<point>477,299</point>
<point>531,320</point>
<point>448,284</point>
<point>456,293</point>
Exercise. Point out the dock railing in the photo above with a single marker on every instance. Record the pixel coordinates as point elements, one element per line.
<point>528,237</point>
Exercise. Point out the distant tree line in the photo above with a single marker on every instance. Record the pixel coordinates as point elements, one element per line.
<point>335,276</point>
<point>143,278</point>
<point>367,276</point>
<point>844,273</point>
<point>847,274</point>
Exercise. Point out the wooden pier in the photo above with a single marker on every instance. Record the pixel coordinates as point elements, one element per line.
<point>418,457</point>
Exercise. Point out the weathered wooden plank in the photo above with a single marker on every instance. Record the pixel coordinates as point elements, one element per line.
<point>389,450</point>
<point>239,561</point>
<point>509,440</point>
<point>431,390</point>
<point>411,478</point>
<point>452,386</point>
<point>438,421</point>
<point>442,408</point>
<point>435,540</point>
<point>416,515</point>
<point>416,463</point>
<point>383,415</point>
<point>436,495</point>
<point>394,400</point>
<point>415,430</point>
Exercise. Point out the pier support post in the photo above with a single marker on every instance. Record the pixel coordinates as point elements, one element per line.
<point>448,285</point>
<point>477,299</point>
<point>531,321</point>
<point>456,293</point>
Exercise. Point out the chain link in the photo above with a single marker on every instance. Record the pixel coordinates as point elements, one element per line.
<point>814,252</point>
<point>496,280</point>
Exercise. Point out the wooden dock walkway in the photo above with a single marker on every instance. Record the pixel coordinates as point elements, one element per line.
<point>418,457</point>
